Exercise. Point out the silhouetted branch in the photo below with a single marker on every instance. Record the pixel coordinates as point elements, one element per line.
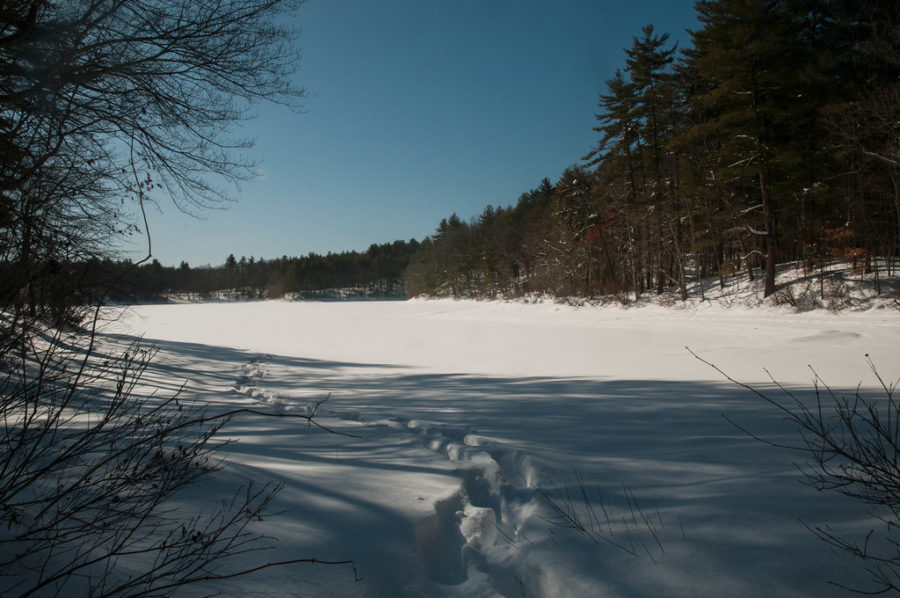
<point>852,446</point>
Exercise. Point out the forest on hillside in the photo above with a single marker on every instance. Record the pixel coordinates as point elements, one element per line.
<point>773,137</point>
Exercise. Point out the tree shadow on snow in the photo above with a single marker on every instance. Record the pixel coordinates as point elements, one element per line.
<point>728,504</point>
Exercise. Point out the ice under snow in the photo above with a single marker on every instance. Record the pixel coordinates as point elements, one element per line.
<point>464,412</point>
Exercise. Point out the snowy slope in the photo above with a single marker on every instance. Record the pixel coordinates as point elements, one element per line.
<point>466,412</point>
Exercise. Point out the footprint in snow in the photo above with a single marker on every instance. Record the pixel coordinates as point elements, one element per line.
<point>249,383</point>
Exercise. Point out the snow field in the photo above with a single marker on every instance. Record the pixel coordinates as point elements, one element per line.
<point>465,415</point>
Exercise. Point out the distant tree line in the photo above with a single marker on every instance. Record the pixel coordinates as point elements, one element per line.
<point>376,272</point>
<point>772,138</point>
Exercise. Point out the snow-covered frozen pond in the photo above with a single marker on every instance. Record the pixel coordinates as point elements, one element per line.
<point>466,412</point>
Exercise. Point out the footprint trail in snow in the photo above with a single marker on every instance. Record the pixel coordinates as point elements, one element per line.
<point>469,544</point>
<point>475,530</point>
<point>250,383</point>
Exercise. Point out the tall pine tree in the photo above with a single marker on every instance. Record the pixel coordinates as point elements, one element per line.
<point>761,105</point>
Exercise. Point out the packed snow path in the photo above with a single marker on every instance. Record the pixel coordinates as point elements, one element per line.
<point>466,415</point>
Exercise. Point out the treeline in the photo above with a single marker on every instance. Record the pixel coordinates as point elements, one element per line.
<point>377,272</point>
<point>772,138</point>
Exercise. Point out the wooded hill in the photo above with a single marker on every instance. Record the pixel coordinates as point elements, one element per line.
<point>772,138</point>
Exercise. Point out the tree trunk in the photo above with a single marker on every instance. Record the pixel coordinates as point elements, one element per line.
<point>771,247</point>
<point>896,181</point>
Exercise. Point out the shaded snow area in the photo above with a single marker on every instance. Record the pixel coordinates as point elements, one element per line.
<point>485,433</point>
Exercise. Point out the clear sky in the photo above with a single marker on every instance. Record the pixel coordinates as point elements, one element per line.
<point>417,109</point>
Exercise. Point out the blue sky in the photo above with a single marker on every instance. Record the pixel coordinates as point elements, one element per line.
<point>417,109</point>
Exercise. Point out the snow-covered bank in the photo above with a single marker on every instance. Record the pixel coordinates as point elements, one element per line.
<point>463,410</point>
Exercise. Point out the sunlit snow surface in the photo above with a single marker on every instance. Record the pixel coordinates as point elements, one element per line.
<point>464,410</point>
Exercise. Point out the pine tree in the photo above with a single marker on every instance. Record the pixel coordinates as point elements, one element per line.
<point>762,107</point>
<point>648,65</point>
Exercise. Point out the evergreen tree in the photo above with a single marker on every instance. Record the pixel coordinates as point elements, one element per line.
<point>772,137</point>
<point>762,107</point>
<point>648,64</point>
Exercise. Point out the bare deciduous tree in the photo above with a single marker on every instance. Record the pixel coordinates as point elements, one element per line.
<point>105,103</point>
<point>102,100</point>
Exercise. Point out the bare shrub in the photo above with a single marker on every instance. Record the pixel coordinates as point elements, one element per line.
<point>851,446</point>
<point>89,465</point>
<point>588,512</point>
